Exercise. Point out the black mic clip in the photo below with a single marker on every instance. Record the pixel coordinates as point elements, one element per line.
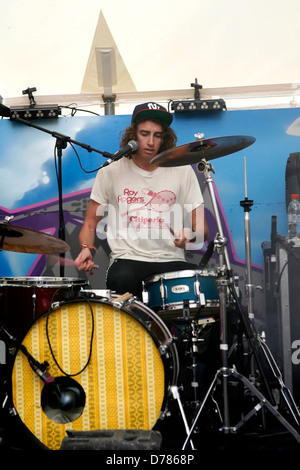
<point>39,369</point>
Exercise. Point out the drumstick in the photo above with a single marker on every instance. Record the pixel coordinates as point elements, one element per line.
<point>66,262</point>
<point>122,297</point>
<point>170,228</point>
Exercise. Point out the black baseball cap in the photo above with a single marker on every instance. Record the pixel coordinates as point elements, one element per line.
<point>151,111</point>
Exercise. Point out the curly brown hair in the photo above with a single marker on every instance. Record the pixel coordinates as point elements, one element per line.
<point>169,139</point>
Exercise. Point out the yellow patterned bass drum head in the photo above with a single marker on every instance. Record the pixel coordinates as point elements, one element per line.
<point>121,355</point>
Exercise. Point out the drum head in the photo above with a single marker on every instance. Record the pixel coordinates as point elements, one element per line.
<point>124,377</point>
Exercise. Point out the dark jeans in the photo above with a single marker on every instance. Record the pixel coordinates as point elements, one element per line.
<point>127,275</point>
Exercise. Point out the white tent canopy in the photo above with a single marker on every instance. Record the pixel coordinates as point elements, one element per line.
<point>76,52</point>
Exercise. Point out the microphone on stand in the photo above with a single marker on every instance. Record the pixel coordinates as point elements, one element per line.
<point>62,398</point>
<point>132,146</point>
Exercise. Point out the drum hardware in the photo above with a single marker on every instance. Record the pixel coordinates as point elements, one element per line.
<point>175,393</point>
<point>164,350</point>
<point>162,293</point>
<point>202,322</point>
<point>186,309</point>
<point>194,355</point>
<point>225,373</point>
<point>96,293</point>
<point>189,335</point>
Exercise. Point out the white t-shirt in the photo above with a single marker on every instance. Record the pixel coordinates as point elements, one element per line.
<point>144,208</point>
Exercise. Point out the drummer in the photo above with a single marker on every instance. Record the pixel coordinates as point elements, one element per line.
<point>154,214</point>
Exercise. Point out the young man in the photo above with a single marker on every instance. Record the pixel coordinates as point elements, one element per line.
<point>154,213</point>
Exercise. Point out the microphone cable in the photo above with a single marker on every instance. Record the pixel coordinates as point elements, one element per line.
<point>91,338</point>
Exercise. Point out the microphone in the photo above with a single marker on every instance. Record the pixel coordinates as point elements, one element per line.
<point>132,146</point>
<point>39,369</point>
<point>62,398</point>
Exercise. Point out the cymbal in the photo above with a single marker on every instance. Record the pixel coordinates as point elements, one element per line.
<point>207,149</point>
<point>25,240</point>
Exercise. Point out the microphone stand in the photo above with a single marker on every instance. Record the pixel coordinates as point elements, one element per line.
<point>225,282</point>
<point>61,143</point>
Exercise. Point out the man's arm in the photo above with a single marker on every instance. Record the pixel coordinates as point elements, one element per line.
<point>86,237</point>
<point>198,231</point>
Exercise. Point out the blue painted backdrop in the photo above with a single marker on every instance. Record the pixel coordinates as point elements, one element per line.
<point>29,191</point>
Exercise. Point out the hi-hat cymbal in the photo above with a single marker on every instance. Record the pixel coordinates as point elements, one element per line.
<point>25,240</point>
<point>207,149</point>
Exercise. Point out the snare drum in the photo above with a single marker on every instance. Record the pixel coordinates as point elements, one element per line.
<point>168,291</point>
<point>22,299</point>
<point>131,360</point>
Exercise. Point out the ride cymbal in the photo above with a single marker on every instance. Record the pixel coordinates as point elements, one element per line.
<point>207,149</point>
<point>24,240</point>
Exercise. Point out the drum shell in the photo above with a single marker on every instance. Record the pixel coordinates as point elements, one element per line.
<point>169,290</point>
<point>126,381</point>
<point>22,299</point>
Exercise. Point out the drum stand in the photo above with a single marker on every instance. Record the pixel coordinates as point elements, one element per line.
<point>226,373</point>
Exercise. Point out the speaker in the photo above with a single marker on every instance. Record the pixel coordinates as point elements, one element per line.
<point>288,296</point>
<point>292,177</point>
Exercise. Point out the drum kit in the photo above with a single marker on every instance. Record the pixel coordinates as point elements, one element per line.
<point>85,360</point>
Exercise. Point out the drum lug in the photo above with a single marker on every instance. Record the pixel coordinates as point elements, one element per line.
<point>163,293</point>
<point>202,299</point>
<point>34,304</point>
<point>145,295</point>
<point>197,288</point>
<point>12,351</point>
<point>162,350</point>
<point>55,305</point>
<point>200,295</point>
<point>11,409</point>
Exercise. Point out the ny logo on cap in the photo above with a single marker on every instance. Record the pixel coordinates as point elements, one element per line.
<point>154,106</point>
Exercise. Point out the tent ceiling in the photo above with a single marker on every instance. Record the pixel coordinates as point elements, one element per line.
<point>236,50</point>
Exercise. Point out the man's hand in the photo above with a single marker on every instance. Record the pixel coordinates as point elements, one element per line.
<point>84,260</point>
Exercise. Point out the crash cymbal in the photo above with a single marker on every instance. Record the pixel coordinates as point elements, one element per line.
<point>24,240</point>
<point>207,149</point>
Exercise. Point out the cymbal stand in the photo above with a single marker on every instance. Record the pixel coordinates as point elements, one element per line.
<point>286,394</point>
<point>224,282</point>
<point>247,204</point>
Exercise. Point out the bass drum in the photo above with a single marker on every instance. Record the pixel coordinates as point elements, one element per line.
<point>123,354</point>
